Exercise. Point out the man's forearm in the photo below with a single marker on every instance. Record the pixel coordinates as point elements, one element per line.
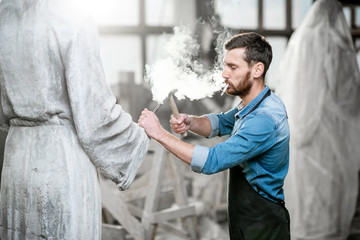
<point>180,149</point>
<point>200,125</point>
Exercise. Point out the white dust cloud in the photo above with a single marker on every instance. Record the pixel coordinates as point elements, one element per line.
<point>180,71</point>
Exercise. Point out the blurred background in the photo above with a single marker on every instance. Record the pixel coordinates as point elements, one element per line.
<point>131,38</point>
<point>130,35</point>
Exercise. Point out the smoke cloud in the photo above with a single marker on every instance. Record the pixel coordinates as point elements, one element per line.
<point>181,71</point>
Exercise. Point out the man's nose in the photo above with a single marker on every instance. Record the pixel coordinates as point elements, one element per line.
<point>225,74</point>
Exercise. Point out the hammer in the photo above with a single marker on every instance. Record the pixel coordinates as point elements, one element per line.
<point>174,109</point>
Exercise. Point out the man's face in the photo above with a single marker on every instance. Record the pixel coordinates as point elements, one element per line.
<point>237,73</point>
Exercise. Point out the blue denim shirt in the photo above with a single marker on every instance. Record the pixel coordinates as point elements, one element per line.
<point>259,143</point>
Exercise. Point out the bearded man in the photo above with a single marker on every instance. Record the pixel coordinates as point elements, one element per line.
<point>257,151</point>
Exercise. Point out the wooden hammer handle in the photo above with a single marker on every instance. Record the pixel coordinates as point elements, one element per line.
<point>175,111</point>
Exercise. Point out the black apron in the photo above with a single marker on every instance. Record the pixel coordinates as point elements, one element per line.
<point>252,216</point>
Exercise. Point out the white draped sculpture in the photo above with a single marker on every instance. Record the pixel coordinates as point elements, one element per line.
<point>62,123</point>
<point>319,82</point>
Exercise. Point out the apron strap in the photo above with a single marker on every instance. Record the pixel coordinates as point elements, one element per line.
<point>265,96</point>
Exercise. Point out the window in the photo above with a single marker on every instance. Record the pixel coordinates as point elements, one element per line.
<point>278,45</point>
<point>113,12</point>
<point>274,14</point>
<point>299,11</point>
<point>238,14</point>
<point>121,54</point>
<point>347,13</point>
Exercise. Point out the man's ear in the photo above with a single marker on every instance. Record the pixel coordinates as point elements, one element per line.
<point>258,69</point>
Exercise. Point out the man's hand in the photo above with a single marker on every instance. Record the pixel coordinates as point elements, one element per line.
<point>150,122</point>
<point>180,125</point>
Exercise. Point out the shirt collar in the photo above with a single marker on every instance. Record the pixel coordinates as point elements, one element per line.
<point>253,104</point>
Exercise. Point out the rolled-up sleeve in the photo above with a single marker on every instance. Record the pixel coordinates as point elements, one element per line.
<point>214,120</point>
<point>199,158</point>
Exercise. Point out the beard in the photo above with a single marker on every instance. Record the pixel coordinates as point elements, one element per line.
<point>244,87</point>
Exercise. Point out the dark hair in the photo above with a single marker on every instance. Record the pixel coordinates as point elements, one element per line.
<point>257,48</point>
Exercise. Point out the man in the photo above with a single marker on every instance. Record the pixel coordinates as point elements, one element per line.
<point>257,153</point>
<point>63,124</point>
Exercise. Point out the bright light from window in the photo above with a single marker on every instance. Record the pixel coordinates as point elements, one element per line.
<point>274,14</point>
<point>299,11</point>
<point>121,54</point>
<point>238,13</point>
<point>112,12</point>
<point>347,13</point>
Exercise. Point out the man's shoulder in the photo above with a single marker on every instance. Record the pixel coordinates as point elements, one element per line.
<point>273,107</point>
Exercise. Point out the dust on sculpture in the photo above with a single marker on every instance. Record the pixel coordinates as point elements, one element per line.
<point>62,123</point>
